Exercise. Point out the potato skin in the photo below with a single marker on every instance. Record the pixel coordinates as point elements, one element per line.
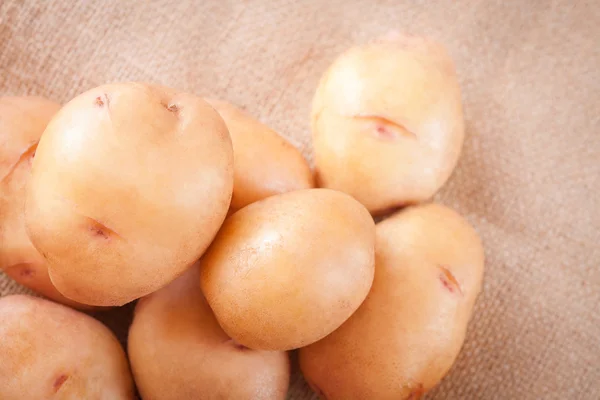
<point>129,185</point>
<point>178,351</point>
<point>50,351</point>
<point>22,122</point>
<point>264,162</point>
<point>280,276</point>
<point>406,335</point>
<point>387,122</point>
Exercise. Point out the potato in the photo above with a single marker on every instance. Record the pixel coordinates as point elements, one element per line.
<point>387,122</point>
<point>178,351</point>
<point>265,163</point>
<point>129,185</point>
<point>22,121</point>
<point>280,276</point>
<point>406,335</point>
<point>49,351</point>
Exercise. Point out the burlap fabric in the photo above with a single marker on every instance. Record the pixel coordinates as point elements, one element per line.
<point>529,174</point>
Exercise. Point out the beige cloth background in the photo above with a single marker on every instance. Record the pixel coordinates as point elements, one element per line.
<point>527,179</point>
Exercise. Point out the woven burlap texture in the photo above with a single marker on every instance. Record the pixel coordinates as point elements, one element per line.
<point>528,177</point>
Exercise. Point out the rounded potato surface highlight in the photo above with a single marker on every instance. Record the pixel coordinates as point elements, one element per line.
<point>288,270</point>
<point>49,351</point>
<point>387,122</point>
<point>129,185</point>
<point>178,351</point>
<point>406,335</point>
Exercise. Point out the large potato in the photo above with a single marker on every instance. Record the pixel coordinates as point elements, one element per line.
<point>129,185</point>
<point>264,162</point>
<point>22,121</point>
<point>387,122</point>
<point>49,351</point>
<point>288,270</point>
<point>406,335</point>
<point>178,351</point>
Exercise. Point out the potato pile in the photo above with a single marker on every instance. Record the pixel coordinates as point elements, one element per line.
<point>236,250</point>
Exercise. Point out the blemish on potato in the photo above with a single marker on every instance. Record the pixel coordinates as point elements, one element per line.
<point>100,230</point>
<point>171,107</point>
<point>384,132</point>
<point>26,271</point>
<point>417,393</point>
<point>385,128</point>
<point>101,101</point>
<point>59,381</point>
<point>449,280</point>
<point>237,345</point>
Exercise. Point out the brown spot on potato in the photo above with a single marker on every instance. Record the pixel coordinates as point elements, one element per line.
<point>171,107</point>
<point>100,230</point>
<point>382,131</point>
<point>59,381</point>
<point>103,100</point>
<point>26,271</point>
<point>237,345</point>
<point>385,128</point>
<point>449,280</point>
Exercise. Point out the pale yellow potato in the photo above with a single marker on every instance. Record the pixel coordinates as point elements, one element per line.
<point>264,162</point>
<point>129,185</point>
<point>286,271</point>
<point>178,351</point>
<point>49,351</point>
<point>387,122</point>
<point>406,335</point>
<point>22,122</point>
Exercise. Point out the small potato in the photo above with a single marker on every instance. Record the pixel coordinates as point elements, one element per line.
<point>129,186</point>
<point>264,162</point>
<point>387,122</point>
<point>406,335</point>
<point>280,276</point>
<point>22,122</point>
<point>49,351</point>
<point>178,351</point>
